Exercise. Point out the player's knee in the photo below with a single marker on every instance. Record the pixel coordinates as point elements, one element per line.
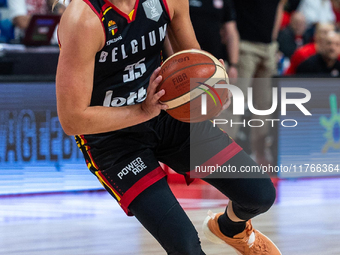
<point>257,200</point>
<point>264,198</point>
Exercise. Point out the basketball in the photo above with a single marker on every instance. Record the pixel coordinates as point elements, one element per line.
<point>189,79</point>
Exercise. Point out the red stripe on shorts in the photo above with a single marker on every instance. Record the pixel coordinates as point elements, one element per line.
<point>139,187</point>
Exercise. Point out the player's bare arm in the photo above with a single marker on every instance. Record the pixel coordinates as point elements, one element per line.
<point>81,38</point>
<point>180,31</point>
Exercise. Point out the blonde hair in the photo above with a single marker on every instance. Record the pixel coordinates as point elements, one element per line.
<point>55,3</point>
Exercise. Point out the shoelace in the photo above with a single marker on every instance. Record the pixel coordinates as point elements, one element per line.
<point>257,247</point>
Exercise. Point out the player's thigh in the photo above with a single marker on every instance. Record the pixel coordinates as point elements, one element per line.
<point>130,175</point>
<point>203,141</point>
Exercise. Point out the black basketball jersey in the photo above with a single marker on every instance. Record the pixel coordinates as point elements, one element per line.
<point>123,66</point>
<point>131,53</point>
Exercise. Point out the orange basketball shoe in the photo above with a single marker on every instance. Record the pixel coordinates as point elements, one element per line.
<point>248,242</point>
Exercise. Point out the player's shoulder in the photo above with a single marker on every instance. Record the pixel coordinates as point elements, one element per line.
<point>79,20</point>
<point>78,12</point>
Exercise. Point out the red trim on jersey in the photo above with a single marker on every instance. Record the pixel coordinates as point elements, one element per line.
<point>220,158</point>
<point>167,8</point>
<point>98,14</point>
<point>105,6</point>
<point>135,11</point>
<point>145,182</point>
<point>123,14</point>
<point>101,17</point>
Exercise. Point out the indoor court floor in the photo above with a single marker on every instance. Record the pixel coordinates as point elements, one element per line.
<point>304,221</point>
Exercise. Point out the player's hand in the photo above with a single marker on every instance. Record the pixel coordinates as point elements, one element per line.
<point>151,106</point>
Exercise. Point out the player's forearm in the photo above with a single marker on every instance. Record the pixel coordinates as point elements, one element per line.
<point>100,119</point>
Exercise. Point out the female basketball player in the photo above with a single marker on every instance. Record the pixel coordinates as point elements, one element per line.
<point>106,94</point>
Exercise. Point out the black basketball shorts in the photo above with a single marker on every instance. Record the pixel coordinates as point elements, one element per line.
<point>126,161</point>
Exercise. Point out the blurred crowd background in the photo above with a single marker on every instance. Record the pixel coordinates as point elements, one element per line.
<point>257,38</point>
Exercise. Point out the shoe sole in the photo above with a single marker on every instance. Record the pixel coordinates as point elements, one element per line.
<point>212,237</point>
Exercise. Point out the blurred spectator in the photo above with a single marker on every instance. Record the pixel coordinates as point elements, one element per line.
<point>258,22</point>
<point>326,60</point>
<point>293,36</point>
<point>336,9</point>
<point>21,12</point>
<point>317,11</point>
<point>290,7</point>
<point>213,19</point>
<point>310,49</point>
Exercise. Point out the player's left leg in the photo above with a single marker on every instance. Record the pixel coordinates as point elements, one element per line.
<point>249,197</point>
<point>202,145</point>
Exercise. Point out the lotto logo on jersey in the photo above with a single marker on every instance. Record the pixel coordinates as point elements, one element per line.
<point>113,28</point>
<point>133,98</point>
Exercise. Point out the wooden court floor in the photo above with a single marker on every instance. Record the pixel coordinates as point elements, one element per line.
<point>304,221</point>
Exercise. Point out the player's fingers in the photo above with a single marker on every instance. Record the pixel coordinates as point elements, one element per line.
<point>154,84</point>
<point>154,75</point>
<point>222,61</point>
<point>158,95</point>
<point>164,106</point>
